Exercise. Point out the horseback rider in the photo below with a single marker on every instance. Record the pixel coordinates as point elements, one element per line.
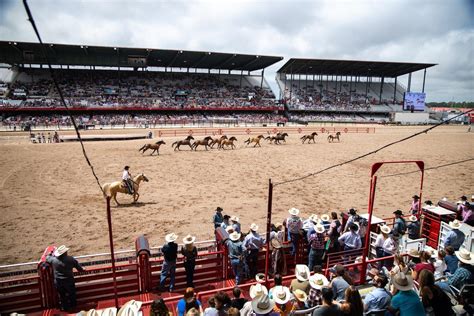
<point>127,179</point>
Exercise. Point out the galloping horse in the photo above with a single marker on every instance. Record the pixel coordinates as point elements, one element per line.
<point>255,140</point>
<point>279,137</point>
<point>309,138</point>
<point>217,141</point>
<point>204,142</point>
<point>332,138</point>
<point>186,141</point>
<point>155,147</point>
<point>229,142</point>
<point>111,189</point>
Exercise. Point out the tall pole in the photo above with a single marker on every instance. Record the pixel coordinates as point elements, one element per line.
<point>112,254</point>
<point>373,183</point>
<point>269,227</point>
<point>424,78</point>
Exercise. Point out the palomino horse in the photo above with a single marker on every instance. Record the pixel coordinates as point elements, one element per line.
<point>204,142</point>
<point>186,141</point>
<point>278,137</point>
<point>155,147</point>
<point>111,189</point>
<point>229,142</point>
<point>255,140</point>
<point>309,138</point>
<point>333,138</point>
<point>217,141</point>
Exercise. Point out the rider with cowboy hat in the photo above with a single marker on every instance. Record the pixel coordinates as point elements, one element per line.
<point>127,179</point>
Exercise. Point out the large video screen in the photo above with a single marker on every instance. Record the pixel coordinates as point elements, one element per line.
<point>414,101</point>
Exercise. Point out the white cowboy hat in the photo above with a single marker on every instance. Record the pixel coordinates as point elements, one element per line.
<point>234,218</point>
<point>465,256</point>
<point>317,281</point>
<point>60,250</point>
<point>257,290</point>
<point>325,217</point>
<point>300,295</point>
<point>229,229</point>
<point>254,227</point>
<point>302,272</point>
<point>455,224</point>
<point>93,312</point>
<point>281,294</point>
<point>402,281</point>
<point>414,253</point>
<point>294,211</point>
<point>260,277</point>
<point>189,239</point>
<point>131,308</point>
<point>412,218</point>
<point>319,228</point>
<point>111,311</point>
<point>313,218</point>
<point>275,243</point>
<point>385,229</point>
<point>262,305</point>
<point>234,236</point>
<point>171,237</point>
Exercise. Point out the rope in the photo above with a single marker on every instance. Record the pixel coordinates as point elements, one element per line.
<point>426,169</point>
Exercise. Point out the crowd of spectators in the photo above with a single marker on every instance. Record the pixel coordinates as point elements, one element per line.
<point>337,117</point>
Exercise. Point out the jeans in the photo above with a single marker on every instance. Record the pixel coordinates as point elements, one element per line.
<point>189,266</point>
<point>168,268</point>
<point>67,293</point>
<point>387,262</point>
<point>315,258</point>
<point>252,261</point>
<point>294,238</point>
<point>237,269</point>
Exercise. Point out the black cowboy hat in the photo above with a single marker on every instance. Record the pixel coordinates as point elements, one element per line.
<point>463,198</point>
<point>352,211</point>
<point>415,197</point>
<point>398,212</point>
<point>219,209</point>
<point>126,167</point>
<point>428,202</point>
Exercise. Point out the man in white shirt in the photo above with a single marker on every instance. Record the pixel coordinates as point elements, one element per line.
<point>127,179</point>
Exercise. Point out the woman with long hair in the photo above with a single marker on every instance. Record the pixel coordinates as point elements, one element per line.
<point>159,308</point>
<point>435,300</point>
<point>352,305</point>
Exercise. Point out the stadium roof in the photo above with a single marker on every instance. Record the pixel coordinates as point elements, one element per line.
<point>15,53</point>
<point>350,67</point>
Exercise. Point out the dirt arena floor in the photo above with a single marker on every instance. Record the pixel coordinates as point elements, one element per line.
<point>48,195</point>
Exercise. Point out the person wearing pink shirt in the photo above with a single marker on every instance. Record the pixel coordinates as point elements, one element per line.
<point>415,205</point>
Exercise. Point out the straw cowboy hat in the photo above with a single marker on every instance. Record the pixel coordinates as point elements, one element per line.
<point>254,227</point>
<point>93,312</point>
<point>412,218</point>
<point>60,250</point>
<point>319,228</point>
<point>455,224</point>
<point>465,256</point>
<point>414,253</point>
<point>325,217</point>
<point>313,218</point>
<point>189,239</point>
<point>281,294</point>
<point>402,281</point>
<point>257,290</point>
<point>385,229</point>
<point>294,211</point>
<point>234,236</point>
<point>234,218</point>
<point>262,305</point>
<point>302,272</point>
<point>131,308</point>
<point>300,295</point>
<point>317,281</point>
<point>171,237</point>
<point>260,277</point>
<point>275,243</point>
<point>111,311</point>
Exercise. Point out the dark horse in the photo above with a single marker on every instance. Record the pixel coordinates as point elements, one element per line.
<point>204,142</point>
<point>217,141</point>
<point>186,141</point>
<point>333,138</point>
<point>155,147</point>
<point>309,137</point>
<point>278,137</point>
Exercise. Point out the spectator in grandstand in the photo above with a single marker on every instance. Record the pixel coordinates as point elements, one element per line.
<point>236,252</point>
<point>64,276</point>
<point>222,302</point>
<point>217,219</point>
<point>189,252</point>
<point>277,281</point>
<point>463,274</point>
<point>399,266</point>
<point>282,296</point>
<point>187,302</point>
<point>390,247</point>
<point>263,305</point>
<point>340,282</point>
<point>317,242</point>
<point>255,291</point>
<point>334,232</point>
<point>451,259</point>
<point>379,298</point>
<point>415,205</point>
<point>159,308</point>
<point>329,307</point>
<point>193,312</point>
<point>400,226</point>
<point>127,179</point>
<point>352,304</point>
<point>170,253</point>
<point>300,298</point>
<point>440,265</point>
<point>350,240</point>
<point>301,282</point>
<point>317,281</point>
<point>350,219</point>
<point>424,264</point>
<point>233,311</point>
<point>211,309</point>
<point>380,240</point>
<point>405,301</point>
<point>234,220</point>
<point>413,227</point>
<point>237,302</point>
<point>435,300</point>
<point>294,226</point>
<point>253,242</point>
<point>455,238</point>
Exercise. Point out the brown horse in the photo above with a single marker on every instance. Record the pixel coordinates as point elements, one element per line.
<point>155,147</point>
<point>217,141</point>
<point>204,142</point>
<point>228,142</point>
<point>309,138</point>
<point>186,141</point>
<point>333,138</point>
<point>278,137</point>
<point>255,140</point>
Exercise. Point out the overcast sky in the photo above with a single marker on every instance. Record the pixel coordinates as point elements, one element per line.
<point>431,31</point>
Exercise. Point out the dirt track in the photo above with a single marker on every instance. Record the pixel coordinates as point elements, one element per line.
<point>48,195</point>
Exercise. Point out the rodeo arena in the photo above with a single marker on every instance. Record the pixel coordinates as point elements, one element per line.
<point>228,220</point>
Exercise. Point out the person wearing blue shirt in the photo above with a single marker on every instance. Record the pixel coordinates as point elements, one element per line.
<point>187,302</point>
<point>406,301</point>
<point>379,299</point>
<point>400,225</point>
<point>451,260</point>
<point>217,219</point>
<point>236,251</point>
<point>463,273</point>
<point>455,237</point>
<point>252,244</point>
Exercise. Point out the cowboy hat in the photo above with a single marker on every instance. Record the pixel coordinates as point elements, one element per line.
<point>234,236</point>
<point>415,197</point>
<point>257,290</point>
<point>313,218</point>
<point>402,281</point>
<point>131,308</point>
<point>281,294</point>
<point>219,209</point>
<point>302,272</point>
<point>319,228</point>
<point>317,281</point>
<point>300,295</point>
<point>325,217</point>
<point>412,218</point>
<point>352,211</point>
<point>189,239</point>
<point>294,211</point>
<point>414,253</point>
<point>229,229</point>
<point>93,312</point>
<point>60,250</point>
<point>111,311</point>
<point>260,277</point>
<point>455,224</point>
<point>465,256</point>
<point>262,305</point>
<point>171,237</point>
<point>385,229</point>
<point>398,212</point>
<point>254,227</point>
<point>234,218</point>
<point>275,243</point>
<point>463,198</point>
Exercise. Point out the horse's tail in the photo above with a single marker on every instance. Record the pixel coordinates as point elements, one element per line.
<point>143,148</point>
<point>173,144</point>
<point>247,141</point>
<point>303,137</point>
<point>106,189</point>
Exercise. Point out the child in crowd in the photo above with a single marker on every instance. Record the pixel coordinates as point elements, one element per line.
<point>451,259</point>
<point>440,265</point>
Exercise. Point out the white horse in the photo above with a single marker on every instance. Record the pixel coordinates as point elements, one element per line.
<point>111,189</point>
